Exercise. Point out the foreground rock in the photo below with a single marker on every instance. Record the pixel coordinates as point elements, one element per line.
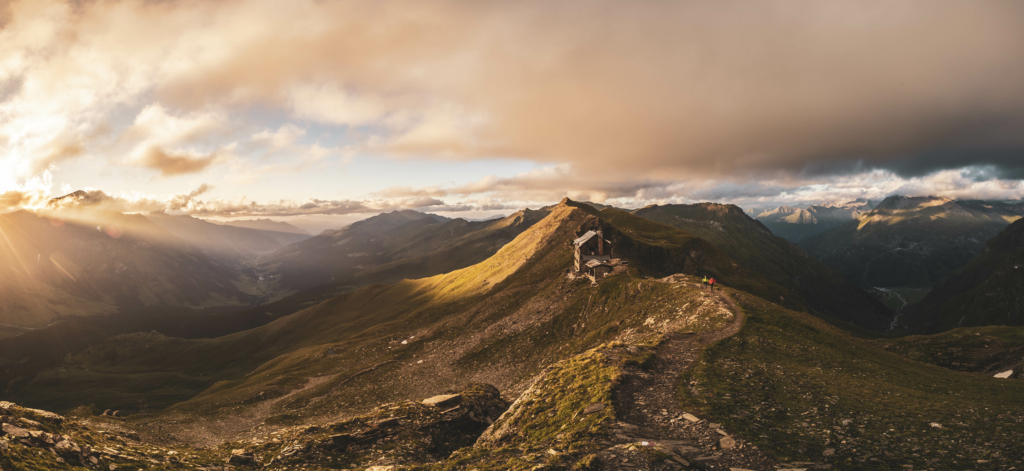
<point>400,434</point>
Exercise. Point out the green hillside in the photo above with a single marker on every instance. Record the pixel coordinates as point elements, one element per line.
<point>822,290</point>
<point>911,242</point>
<point>989,290</point>
<point>989,350</point>
<point>808,392</point>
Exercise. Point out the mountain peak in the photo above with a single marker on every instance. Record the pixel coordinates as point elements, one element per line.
<point>79,197</point>
<point>897,202</point>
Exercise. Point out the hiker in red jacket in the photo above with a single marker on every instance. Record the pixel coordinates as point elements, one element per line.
<point>711,283</point>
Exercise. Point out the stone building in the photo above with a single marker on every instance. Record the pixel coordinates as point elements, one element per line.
<point>592,252</point>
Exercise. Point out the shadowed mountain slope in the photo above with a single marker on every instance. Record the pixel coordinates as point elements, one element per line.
<point>225,240</point>
<point>99,262</point>
<point>822,290</point>
<point>912,242</point>
<point>265,225</point>
<point>389,247</point>
<point>989,290</point>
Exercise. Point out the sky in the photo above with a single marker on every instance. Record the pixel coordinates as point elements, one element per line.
<point>329,111</point>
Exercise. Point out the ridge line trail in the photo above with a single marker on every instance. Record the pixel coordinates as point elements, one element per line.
<point>648,409</point>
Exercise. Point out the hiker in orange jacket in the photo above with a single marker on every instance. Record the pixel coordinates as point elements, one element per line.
<point>711,282</point>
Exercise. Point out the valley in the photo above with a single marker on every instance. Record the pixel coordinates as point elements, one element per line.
<point>663,373</point>
<point>433,235</point>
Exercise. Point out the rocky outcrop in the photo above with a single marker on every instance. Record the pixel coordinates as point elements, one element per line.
<point>405,433</point>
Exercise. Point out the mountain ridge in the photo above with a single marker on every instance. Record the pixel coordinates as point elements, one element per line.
<point>911,241</point>
<point>751,243</point>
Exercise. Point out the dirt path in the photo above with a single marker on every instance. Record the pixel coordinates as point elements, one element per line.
<point>649,412</point>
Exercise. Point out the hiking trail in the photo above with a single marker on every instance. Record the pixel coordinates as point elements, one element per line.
<point>648,411</point>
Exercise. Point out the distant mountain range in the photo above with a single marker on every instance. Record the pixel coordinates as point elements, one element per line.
<point>230,240</point>
<point>797,225</point>
<point>911,241</point>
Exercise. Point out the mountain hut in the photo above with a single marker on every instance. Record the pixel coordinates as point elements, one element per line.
<point>592,247</point>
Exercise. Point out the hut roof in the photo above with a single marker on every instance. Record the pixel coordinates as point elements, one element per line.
<point>585,237</point>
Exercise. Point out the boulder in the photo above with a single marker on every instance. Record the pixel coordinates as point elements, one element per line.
<point>16,432</point>
<point>41,437</point>
<point>67,447</point>
<point>389,422</point>
<point>443,401</point>
<point>45,415</point>
<point>29,423</point>
<point>726,443</point>
<point>595,407</point>
<point>241,458</point>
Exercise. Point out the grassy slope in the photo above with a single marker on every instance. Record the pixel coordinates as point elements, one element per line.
<point>987,291</point>
<point>988,350</point>
<point>914,246</point>
<point>663,250</point>
<point>745,240</point>
<point>498,321</point>
<point>807,391</point>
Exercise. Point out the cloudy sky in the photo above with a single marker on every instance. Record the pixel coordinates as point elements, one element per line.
<point>331,109</point>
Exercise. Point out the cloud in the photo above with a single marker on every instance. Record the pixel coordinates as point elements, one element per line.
<point>60,149</point>
<point>622,92</point>
<point>542,185</point>
<point>241,207</point>
<point>168,143</point>
<point>283,138</point>
<point>173,164</point>
<point>198,191</point>
<point>12,199</point>
<point>328,103</point>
